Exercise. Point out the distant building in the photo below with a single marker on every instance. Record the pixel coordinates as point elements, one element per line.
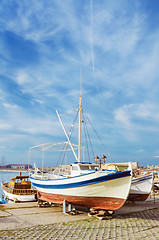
<point>18,166</point>
<point>2,167</point>
<point>120,166</point>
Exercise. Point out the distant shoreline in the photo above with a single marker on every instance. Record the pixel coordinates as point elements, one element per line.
<point>12,170</point>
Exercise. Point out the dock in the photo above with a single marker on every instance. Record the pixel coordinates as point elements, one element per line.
<point>139,220</point>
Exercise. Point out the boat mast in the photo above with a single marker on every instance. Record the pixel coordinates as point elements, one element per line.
<point>80,121</point>
<point>79,140</point>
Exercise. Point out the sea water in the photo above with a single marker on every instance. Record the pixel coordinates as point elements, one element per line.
<point>6,176</point>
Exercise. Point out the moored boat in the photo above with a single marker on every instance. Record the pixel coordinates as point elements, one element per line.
<point>141,187</point>
<point>19,189</point>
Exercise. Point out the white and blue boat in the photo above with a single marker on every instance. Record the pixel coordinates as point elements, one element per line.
<point>141,187</point>
<point>86,185</point>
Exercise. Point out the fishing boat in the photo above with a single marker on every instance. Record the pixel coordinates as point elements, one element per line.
<point>87,184</point>
<point>141,187</point>
<point>19,189</point>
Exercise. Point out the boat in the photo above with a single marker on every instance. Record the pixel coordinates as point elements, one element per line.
<point>86,185</point>
<point>18,190</point>
<point>141,187</point>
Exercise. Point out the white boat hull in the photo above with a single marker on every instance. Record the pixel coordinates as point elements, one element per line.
<point>94,190</point>
<point>18,198</point>
<point>141,188</point>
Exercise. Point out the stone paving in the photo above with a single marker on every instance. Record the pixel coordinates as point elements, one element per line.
<point>133,226</point>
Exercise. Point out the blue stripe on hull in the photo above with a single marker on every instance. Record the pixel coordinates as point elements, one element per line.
<point>83,183</point>
<point>141,180</point>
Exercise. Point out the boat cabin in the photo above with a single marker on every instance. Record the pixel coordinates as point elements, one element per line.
<point>18,189</point>
<point>20,185</point>
<point>19,182</point>
<point>83,168</point>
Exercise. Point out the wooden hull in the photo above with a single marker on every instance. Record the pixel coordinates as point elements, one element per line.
<point>141,188</point>
<point>138,197</point>
<point>107,203</point>
<point>96,190</point>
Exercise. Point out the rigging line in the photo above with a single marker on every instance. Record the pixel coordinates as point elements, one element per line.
<point>71,130</point>
<point>88,135</point>
<point>98,136</point>
<point>63,149</point>
<point>66,147</point>
<point>85,132</point>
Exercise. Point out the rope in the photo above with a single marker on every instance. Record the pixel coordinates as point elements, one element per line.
<point>98,136</point>
<point>65,147</point>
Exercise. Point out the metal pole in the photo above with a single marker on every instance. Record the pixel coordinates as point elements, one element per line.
<point>79,141</point>
<point>67,136</point>
<point>43,159</point>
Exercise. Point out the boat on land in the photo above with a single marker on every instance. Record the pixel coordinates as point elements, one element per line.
<point>86,185</point>
<point>141,187</point>
<point>18,190</point>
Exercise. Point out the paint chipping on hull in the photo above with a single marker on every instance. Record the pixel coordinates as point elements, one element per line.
<point>106,203</point>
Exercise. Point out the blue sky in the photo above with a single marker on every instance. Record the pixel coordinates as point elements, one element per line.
<point>44,45</point>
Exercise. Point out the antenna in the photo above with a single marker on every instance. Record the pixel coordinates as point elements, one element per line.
<point>80,120</point>
<point>80,83</point>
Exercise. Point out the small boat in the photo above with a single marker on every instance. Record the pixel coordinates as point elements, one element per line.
<point>141,187</point>
<point>19,189</point>
<point>87,185</point>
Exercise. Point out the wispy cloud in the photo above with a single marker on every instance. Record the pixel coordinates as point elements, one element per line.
<point>4,126</point>
<point>7,105</point>
<point>46,44</point>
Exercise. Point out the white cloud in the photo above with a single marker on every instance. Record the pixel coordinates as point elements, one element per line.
<point>22,77</point>
<point>140,151</point>
<point>125,81</point>
<point>122,115</point>
<point>10,106</point>
<point>37,101</point>
<point>135,120</point>
<point>39,126</point>
<point>145,111</point>
<point>4,126</point>
<point>128,113</point>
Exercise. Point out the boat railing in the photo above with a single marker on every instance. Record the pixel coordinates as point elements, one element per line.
<point>19,191</point>
<point>24,191</point>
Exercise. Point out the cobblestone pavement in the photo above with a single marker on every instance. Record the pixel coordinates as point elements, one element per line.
<point>141,225</point>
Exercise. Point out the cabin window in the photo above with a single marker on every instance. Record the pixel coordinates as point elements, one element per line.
<point>74,168</point>
<point>84,167</point>
<point>94,167</point>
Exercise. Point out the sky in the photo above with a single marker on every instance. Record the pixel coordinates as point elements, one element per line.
<point>48,49</point>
